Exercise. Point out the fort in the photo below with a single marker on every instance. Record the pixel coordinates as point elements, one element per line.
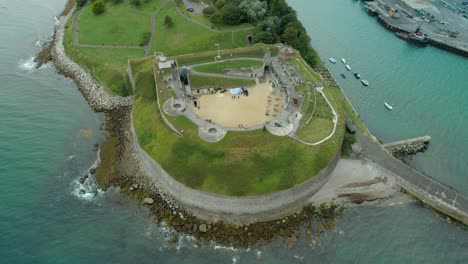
<point>203,120</point>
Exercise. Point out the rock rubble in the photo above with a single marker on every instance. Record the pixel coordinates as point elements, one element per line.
<point>91,90</point>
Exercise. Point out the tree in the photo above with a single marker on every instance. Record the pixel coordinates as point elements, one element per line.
<point>232,15</point>
<point>216,18</point>
<point>209,11</point>
<point>289,35</point>
<point>168,21</point>
<point>81,3</point>
<point>265,37</point>
<point>99,7</point>
<point>220,3</point>
<point>253,11</point>
<point>136,2</point>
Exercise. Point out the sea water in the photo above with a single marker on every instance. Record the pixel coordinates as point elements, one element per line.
<point>47,133</point>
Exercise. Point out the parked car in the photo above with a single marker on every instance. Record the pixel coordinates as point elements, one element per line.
<point>191,10</point>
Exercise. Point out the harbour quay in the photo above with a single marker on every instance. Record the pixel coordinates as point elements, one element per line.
<point>443,24</point>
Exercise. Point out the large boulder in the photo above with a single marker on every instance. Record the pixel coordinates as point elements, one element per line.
<point>148,200</point>
<point>202,228</point>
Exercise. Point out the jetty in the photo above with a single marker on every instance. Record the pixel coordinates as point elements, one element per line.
<point>406,16</point>
<point>431,192</point>
<point>408,146</point>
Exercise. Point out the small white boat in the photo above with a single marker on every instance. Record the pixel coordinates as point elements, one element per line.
<point>347,67</point>
<point>332,60</point>
<point>343,60</point>
<point>365,82</point>
<point>389,107</point>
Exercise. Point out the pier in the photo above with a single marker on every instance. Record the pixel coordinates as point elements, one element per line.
<point>444,28</point>
<point>408,146</point>
<point>437,195</point>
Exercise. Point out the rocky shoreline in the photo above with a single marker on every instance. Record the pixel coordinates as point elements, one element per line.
<point>120,167</point>
<point>91,90</point>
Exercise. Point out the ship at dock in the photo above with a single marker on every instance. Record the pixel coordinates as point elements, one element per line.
<point>417,37</point>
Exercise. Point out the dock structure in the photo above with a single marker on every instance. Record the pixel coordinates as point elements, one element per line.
<point>408,146</point>
<point>401,16</point>
<point>435,194</point>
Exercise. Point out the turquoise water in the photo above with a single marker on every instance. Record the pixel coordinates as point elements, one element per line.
<point>47,133</point>
<point>428,87</point>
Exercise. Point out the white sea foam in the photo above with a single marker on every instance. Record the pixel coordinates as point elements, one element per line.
<point>88,190</point>
<point>27,65</point>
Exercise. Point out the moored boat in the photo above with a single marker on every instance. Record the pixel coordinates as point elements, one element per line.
<point>332,60</point>
<point>343,60</point>
<point>417,37</point>
<point>343,76</point>
<point>357,75</point>
<point>388,106</point>
<point>365,82</point>
<point>348,67</point>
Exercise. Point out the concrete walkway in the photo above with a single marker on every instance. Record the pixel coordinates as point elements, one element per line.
<point>433,193</point>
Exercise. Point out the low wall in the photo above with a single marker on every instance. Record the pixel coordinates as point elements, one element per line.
<point>230,209</point>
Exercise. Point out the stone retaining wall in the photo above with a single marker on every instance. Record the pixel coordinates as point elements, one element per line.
<point>231,209</point>
<point>91,90</point>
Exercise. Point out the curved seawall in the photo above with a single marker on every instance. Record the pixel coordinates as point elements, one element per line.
<point>231,209</point>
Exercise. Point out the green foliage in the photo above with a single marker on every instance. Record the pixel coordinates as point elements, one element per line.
<point>99,7</point>
<point>81,3</point>
<point>265,37</point>
<point>220,3</point>
<point>253,10</point>
<point>232,14</point>
<point>168,21</point>
<point>145,37</point>
<point>348,140</point>
<point>216,18</point>
<point>135,2</point>
<point>209,11</point>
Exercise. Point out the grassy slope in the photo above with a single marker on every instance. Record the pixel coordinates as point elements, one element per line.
<point>186,37</point>
<point>148,6</point>
<point>255,51</point>
<point>108,66</point>
<point>234,64</point>
<point>225,167</point>
<point>116,26</point>
<point>197,82</point>
<point>206,21</point>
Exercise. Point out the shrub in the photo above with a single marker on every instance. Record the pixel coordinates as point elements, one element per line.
<point>168,22</point>
<point>216,18</point>
<point>145,37</point>
<point>220,3</point>
<point>99,7</point>
<point>209,11</point>
<point>81,3</point>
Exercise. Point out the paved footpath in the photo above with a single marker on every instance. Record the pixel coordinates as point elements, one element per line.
<point>431,192</point>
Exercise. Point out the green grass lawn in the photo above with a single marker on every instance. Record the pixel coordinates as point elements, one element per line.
<point>198,82</point>
<point>242,164</point>
<point>206,21</point>
<point>108,66</point>
<point>187,37</point>
<point>255,51</point>
<point>148,6</point>
<point>230,64</point>
<point>118,25</point>
<point>321,125</point>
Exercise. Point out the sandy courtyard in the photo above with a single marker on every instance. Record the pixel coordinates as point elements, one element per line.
<point>260,106</point>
